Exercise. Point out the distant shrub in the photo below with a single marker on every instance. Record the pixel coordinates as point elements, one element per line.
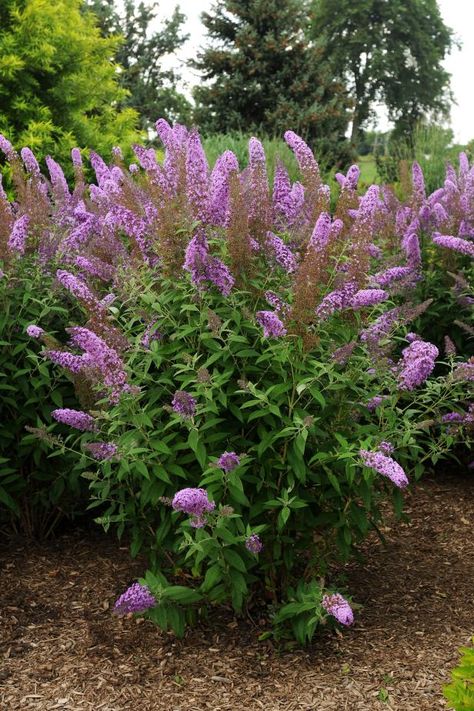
<point>431,146</point>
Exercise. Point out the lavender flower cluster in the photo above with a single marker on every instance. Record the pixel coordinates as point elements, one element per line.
<point>137,598</point>
<point>195,503</point>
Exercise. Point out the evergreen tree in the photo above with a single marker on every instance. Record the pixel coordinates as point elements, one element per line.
<point>58,85</point>
<point>261,74</point>
<point>152,89</point>
<point>389,51</point>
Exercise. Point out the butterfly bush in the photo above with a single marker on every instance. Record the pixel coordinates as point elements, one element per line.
<point>248,361</point>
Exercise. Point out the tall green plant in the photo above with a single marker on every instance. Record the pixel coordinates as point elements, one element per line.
<point>58,84</point>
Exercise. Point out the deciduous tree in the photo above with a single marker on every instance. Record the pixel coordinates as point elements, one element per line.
<point>151,85</point>
<point>389,51</point>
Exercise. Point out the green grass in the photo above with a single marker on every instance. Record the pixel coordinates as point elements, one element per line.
<point>275,149</point>
<point>368,169</point>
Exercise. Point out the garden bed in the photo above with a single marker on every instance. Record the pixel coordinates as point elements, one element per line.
<point>61,648</point>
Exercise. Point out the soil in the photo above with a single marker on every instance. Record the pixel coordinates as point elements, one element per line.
<point>61,648</point>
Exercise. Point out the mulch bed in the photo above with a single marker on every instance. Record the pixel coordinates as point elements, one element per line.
<point>61,648</point>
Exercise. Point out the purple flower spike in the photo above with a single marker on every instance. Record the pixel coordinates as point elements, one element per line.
<point>195,503</point>
<point>75,418</point>
<point>136,599</point>
<point>101,450</point>
<point>368,297</point>
<point>19,234</point>
<point>281,253</point>
<point>271,324</point>
<point>338,607</point>
<point>386,466</point>
<point>457,244</point>
<point>417,364</point>
<point>254,544</point>
<point>184,404</point>
<point>375,402</point>
<point>228,461</point>
<point>34,331</point>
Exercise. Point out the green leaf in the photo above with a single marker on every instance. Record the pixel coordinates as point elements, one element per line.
<point>182,594</point>
<point>234,560</point>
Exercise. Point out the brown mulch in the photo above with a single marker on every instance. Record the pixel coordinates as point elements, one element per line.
<point>61,648</point>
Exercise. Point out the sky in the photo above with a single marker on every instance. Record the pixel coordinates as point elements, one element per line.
<point>457,14</point>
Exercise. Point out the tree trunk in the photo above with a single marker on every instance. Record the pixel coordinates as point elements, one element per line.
<point>355,127</point>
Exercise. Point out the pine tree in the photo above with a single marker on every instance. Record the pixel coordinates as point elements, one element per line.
<point>152,89</point>
<point>262,75</point>
<point>58,85</point>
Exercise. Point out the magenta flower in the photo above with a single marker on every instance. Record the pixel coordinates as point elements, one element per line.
<point>137,598</point>
<point>184,404</point>
<point>449,347</point>
<point>375,251</point>
<point>386,466</point>
<point>464,371</point>
<point>338,607</point>
<point>203,267</point>
<point>228,461</point>
<point>254,544</point>
<point>150,334</point>
<point>96,267</point>
<point>281,191</point>
<point>393,274</point>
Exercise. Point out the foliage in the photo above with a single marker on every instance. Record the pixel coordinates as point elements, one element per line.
<point>58,86</point>
<point>36,491</point>
<point>260,74</point>
<point>242,362</point>
<point>430,145</point>
<point>389,52</point>
<point>151,89</point>
<point>460,692</point>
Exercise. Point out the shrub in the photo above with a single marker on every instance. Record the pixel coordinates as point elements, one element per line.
<point>35,489</point>
<point>248,386</point>
<point>460,692</point>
